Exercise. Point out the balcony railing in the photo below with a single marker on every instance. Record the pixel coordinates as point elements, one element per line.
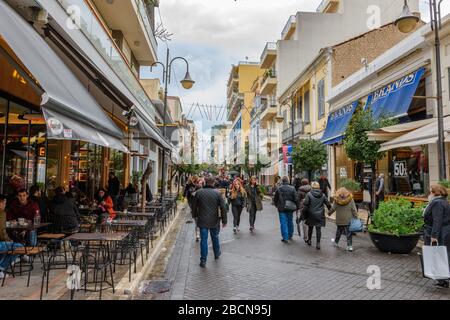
<point>292,20</point>
<point>103,42</point>
<point>269,46</point>
<point>289,134</point>
<point>269,74</point>
<point>143,15</point>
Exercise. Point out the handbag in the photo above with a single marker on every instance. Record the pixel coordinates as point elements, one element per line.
<point>435,264</point>
<point>356,225</point>
<point>290,205</point>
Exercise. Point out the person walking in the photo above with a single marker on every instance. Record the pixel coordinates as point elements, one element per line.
<point>437,222</point>
<point>237,199</point>
<point>379,190</point>
<point>286,201</point>
<point>324,184</point>
<point>254,201</point>
<point>208,208</point>
<point>304,189</point>
<point>314,208</point>
<point>345,209</point>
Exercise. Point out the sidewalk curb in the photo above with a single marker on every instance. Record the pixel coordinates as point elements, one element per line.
<point>124,287</point>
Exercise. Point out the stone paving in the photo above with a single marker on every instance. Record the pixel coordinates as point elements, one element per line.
<point>260,267</point>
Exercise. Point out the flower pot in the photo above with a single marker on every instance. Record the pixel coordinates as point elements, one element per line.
<point>394,244</point>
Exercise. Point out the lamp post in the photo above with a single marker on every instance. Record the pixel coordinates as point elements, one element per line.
<point>406,23</point>
<point>187,84</point>
<point>279,118</point>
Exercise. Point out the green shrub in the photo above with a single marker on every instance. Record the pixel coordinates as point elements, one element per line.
<point>350,184</point>
<point>445,183</point>
<point>397,217</point>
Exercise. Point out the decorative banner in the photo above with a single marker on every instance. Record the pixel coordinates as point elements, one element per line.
<point>287,154</point>
<point>395,99</point>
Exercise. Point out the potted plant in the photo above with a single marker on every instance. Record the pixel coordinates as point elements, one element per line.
<point>396,226</point>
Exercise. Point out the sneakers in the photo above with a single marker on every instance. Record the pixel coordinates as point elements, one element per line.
<point>252,229</point>
<point>284,241</point>
<point>237,229</point>
<point>333,242</point>
<point>202,264</point>
<point>349,248</point>
<point>234,230</point>
<point>308,242</point>
<point>318,245</point>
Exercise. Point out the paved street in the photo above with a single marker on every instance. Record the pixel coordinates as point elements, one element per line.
<point>260,267</point>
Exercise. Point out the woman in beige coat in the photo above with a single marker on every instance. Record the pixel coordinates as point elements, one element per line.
<point>345,209</point>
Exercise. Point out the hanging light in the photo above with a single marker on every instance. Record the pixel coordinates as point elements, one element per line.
<point>407,22</point>
<point>279,118</point>
<point>187,82</point>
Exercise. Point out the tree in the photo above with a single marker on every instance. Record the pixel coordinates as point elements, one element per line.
<point>309,155</point>
<point>356,142</point>
<point>148,171</point>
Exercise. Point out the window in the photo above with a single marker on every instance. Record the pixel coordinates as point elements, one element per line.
<point>307,111</point>
<point>321,98</point>
<point>299,108</point>
<point>285,123</point>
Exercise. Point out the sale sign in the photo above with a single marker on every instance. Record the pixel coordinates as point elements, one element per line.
<point>400,169</point>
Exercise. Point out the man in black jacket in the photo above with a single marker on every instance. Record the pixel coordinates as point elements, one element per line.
<point>286,201</point>
<point>208,208</point>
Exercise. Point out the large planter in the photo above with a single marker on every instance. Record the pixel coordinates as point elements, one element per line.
<point>394,244</point>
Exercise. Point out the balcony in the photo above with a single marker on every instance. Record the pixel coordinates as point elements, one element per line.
<point>269,82</point>
<point>137,28</point>
<point>289,135</point>
<point>270,112</point>
<point>234,105</point>
<point>328,6</point>
<point>289,28</point>
<point>98,36</point>
<point>269,55</point>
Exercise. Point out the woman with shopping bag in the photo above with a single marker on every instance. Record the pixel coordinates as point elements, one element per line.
<point>437,224</point>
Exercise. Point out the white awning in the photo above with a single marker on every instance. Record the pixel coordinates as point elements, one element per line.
<point>392,132</point>
<point>422,136</point>
<point>70,111</point>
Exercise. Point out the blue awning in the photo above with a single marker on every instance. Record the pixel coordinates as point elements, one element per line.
<point>337,124</point>
<point>395,99</point>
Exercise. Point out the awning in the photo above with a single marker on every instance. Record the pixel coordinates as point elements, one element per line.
<point>395,99</point>
<point>70,111</point>
<point>422,136</point>
<point>392,132</point>
<point>338,122</point>
<point>147,129</point>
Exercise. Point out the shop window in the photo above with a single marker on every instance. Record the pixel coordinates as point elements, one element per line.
<point>3,117</point>
<point>409,171</point>
<point>116,164</point>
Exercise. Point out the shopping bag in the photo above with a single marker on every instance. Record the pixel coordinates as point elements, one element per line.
<point>356,225</point>
<point>435,262</point>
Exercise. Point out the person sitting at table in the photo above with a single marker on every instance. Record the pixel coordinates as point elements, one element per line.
<point>36,196</point>
<point>23,207</point>
<point>131,193</point>
<point>105,206</point>
<point>64,213</point>
<point>6,243</point>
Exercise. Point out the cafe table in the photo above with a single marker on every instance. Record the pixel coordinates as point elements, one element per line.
<point>27,227</point>
<point>129,223</point>
<point>100,239</point>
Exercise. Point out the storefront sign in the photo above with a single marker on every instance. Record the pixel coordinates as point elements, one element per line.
<point>400,169</point>
<point>68,133</point>
<point>56,127</point>
<point>42,152</point>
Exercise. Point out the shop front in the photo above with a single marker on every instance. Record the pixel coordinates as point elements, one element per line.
<point>53,132</point>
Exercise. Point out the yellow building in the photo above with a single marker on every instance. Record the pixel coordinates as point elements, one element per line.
<point>239,105</point>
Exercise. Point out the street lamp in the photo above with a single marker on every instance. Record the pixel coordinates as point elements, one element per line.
<point>291,106</point>
<point>187,83</point>
<point>406,23</point>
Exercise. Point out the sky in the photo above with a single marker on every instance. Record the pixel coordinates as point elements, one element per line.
<point>214,34</point>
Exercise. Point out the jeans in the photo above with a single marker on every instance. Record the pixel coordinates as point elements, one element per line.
<point>237,210</point>
<point>286,225</point>
<point>318,233</point>
<point>343,230</point>
<point>204,242</point>
<point>6,260</point>
<point>32,238</point>
<point>252,215</point>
